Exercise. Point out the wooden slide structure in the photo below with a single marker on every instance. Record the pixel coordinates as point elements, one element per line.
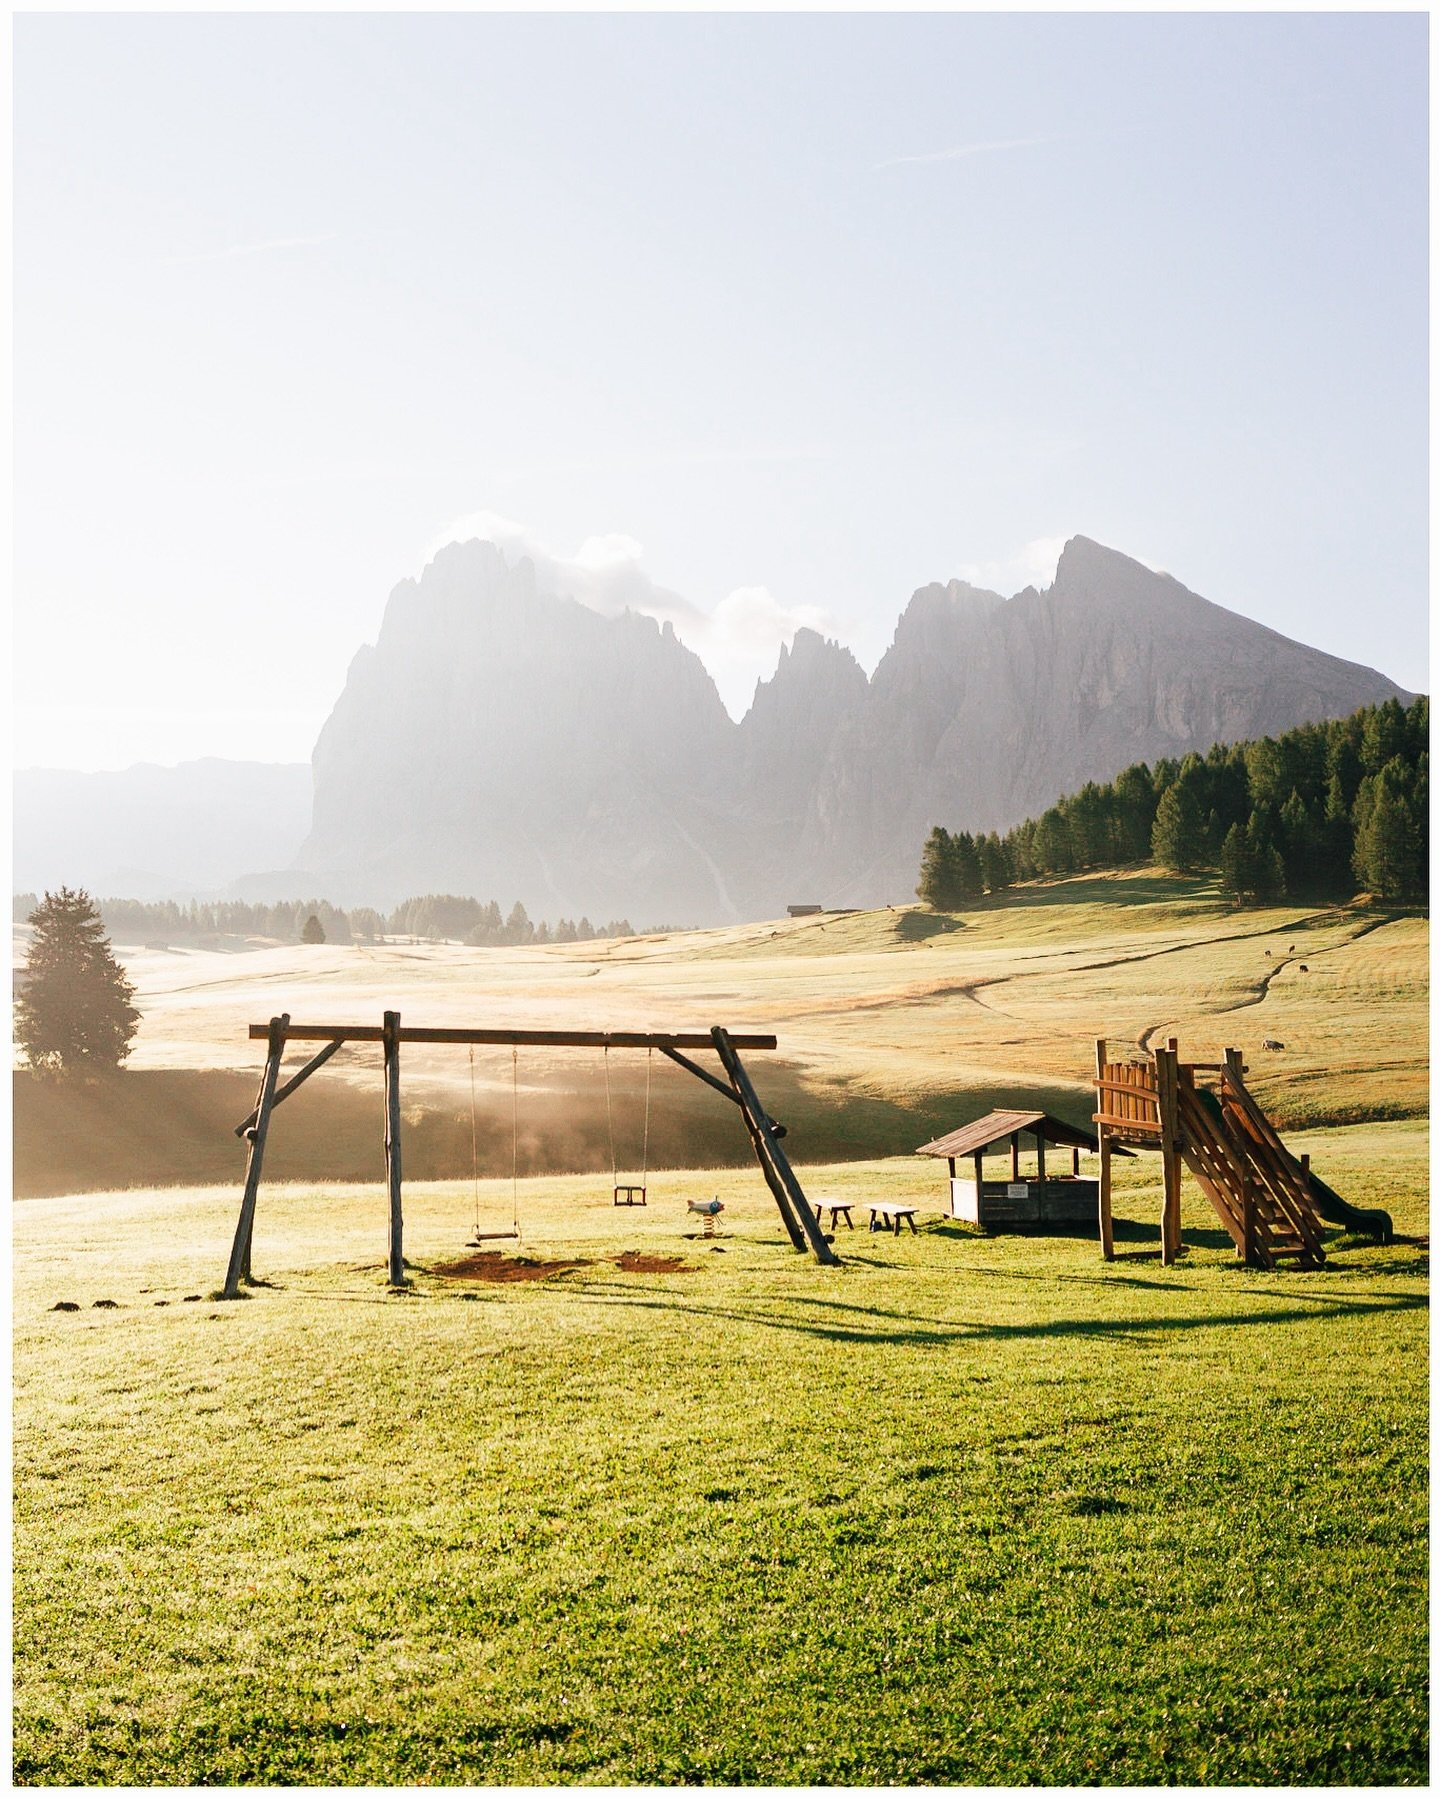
<point>1267,1200</point>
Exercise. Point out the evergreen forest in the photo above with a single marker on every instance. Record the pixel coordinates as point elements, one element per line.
<point>1324,811</point>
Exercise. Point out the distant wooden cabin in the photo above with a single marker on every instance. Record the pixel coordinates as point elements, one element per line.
<point>1050,1194</point>
<point>804,911</point>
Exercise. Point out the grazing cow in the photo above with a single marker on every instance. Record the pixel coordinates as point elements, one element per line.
<point>1303,968</point>
<point>1267,954</point>
<point>1271,1042</point>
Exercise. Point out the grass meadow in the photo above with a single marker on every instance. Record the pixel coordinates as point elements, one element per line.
<point>961,1510</point>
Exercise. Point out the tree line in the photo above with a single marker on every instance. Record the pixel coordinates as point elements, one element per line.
<point>1323,811</point>
<point>432,916</point>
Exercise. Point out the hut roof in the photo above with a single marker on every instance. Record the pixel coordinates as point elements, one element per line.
<point>997,1126</point>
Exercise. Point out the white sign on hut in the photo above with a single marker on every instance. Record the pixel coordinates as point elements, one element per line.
<point>1053,1194</point>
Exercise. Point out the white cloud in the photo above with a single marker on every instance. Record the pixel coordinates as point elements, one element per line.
<point>739,641</point>
<point>1032,565</point>
<point>960,152</point>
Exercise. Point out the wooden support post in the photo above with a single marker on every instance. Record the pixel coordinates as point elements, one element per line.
<point>284,1092</point>
<point>684,1061</point>
<point>1107,1227</point>
<point>1015,1155</point>
<point>1039,1159</point>
<point>765,1138</point>
<point>1232,1071</point>
<point>1166,1080</point>
<point>239,1268</point>
<point>391,1040</point>
<point>1075,1162</point>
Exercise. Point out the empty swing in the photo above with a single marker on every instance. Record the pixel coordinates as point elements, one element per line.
<point>622,1193</point>
<point>513,1233</point>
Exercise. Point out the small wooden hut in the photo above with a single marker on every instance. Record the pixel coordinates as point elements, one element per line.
<point>1053,1194</point>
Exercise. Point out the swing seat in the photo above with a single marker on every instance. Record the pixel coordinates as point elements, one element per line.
<point>629,1195</point>
<point>492,1236</point>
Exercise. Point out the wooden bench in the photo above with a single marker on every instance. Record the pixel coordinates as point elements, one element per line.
<point>889,1217</point>
<point>837,1208</point>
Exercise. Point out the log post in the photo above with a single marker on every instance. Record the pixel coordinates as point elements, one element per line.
<point>1015,1156</point>
<point>1166,1081</point>
<point>767,1144</point>
<point>391,1040</point>
<point>1107,1227</point>
<point>239,1268</point>
<point>1040,1163</point>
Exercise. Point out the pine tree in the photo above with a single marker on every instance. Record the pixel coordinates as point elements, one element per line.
<point>74,1013</point>
<point>969,875</point>
<point>937,887</point>
<point>1389,849</point>
<point>313,931</point>
<point>1178,839</point>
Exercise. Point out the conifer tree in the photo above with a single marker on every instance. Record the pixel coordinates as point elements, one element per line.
<point>1178,839</point>
<point>937,887</point>
<point>312,931</point>
<point>74,1014</point>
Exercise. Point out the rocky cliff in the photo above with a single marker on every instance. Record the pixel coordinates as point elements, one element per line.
<point>504,740</point>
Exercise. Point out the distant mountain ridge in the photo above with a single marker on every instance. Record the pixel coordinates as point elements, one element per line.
<point>502,739</point>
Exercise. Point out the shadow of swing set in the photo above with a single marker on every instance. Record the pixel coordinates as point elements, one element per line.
<point>796,1213</point>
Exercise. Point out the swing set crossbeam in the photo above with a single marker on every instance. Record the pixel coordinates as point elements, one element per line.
<point>664,1040</point>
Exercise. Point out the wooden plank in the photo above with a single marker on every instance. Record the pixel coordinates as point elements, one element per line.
<point>392,1147</point>
<point>537,1039</point>
<point>239,1267</point>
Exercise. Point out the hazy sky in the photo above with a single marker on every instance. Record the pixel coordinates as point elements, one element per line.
<point>795,312</point>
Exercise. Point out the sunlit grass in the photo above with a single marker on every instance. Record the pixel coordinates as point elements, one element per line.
<point>959,1511</point>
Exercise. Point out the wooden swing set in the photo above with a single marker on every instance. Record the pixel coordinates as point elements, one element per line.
<point>801,1224</point>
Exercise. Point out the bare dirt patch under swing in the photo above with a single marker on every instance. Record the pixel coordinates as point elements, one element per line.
<point>496,1268</point>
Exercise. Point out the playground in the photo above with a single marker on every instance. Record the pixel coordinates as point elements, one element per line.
<point>595,1497</point>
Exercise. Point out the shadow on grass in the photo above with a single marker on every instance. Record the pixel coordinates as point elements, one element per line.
<point>935,1332</point>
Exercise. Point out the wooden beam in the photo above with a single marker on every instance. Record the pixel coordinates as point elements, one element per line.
<point>682,1061</point>
<point>1039,1158</point>
<point>799,1204</point>
<point>239,1267</point>
<point>392,1146</point>
<point>1168,1103</point>
<point>315,1061</point>
<point>1107,1222</point>
<point>1015,1155</point>
<point>536,1039</point>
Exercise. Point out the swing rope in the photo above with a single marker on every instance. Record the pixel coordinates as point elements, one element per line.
<point>645,1147</point>
<point>515,1140</point>
<point>474,1147</point>
<point>615,1187</point>
<point>610,1120</point>
<point>479,1235</point>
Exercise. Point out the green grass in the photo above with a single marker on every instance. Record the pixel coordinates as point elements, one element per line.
<point>959,1511</point>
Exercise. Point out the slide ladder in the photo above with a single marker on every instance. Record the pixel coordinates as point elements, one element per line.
<point>1257,1188</point>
